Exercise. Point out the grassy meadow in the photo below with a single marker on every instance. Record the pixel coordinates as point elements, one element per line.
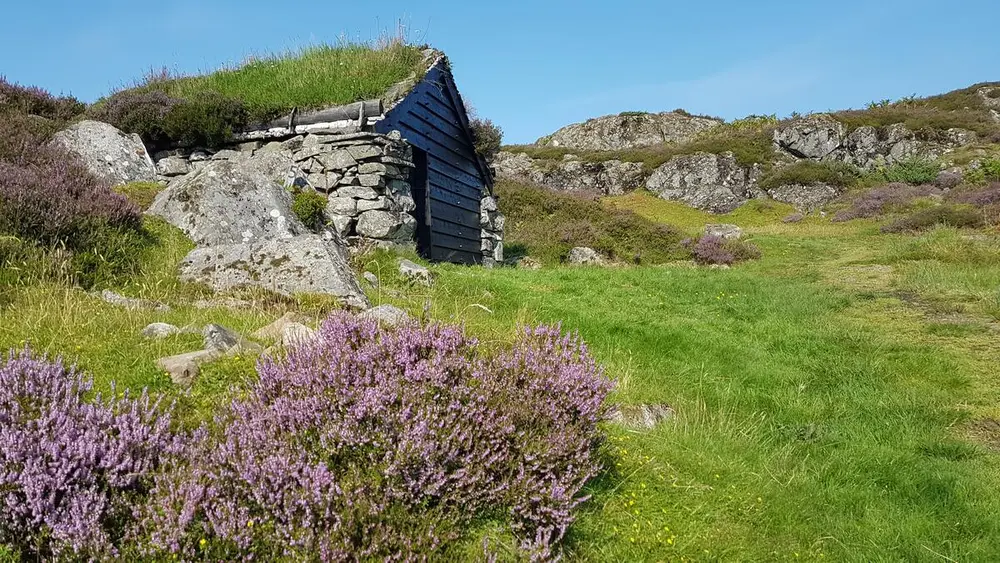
<point>836,399</point>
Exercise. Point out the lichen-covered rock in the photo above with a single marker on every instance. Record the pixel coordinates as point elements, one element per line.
<point>713,182</point>
<point>386,225</point>
<point>805,197</point>
<point>388,315</point>
<point>724,230</point>
<point>414,272</point>
<point>107,152</point>
<point>625,131</point>
<point>229,202</point>
<point>300,264</point>
<point>583,255</point>
<point>612,177</point>
<point>810,137</point>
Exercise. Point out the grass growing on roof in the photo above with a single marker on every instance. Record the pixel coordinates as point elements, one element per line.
<point>314,77</point>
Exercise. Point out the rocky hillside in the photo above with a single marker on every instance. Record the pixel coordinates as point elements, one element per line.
<point>630,130</point>
<point>806,161</point>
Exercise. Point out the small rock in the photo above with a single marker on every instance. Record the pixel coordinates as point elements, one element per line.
<point>273,331</point>
<point>296,334</point>
<point>159,331</point>
<point>641,417</point>
<point>132,303</point>
<point>724,231</point>
<point>793,218</point>
<point>184,368</point>
<point>387,315</point>
<point>415,272</point>
<point>529,263</point>
<point>582,255</point>
<point>371,279</point>
<point>221,339</point>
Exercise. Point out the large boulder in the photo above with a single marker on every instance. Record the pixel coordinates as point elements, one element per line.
<point>611,177</point>
<point>300,264</point>
<point>228,202</point>
<point>107,152</point>
<point>813,137</point>
<point>630,130</point>
<point>713,182</point>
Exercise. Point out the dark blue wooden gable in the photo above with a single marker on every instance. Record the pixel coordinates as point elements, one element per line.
<point>432,119</point>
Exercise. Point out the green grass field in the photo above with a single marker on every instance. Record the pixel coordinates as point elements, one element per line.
<point>837,399</point>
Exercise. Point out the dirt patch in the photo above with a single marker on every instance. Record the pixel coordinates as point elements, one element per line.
<point>986,431</point>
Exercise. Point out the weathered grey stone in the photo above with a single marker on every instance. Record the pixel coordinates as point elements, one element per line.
<point>249,146</point>
<point>612,177</point>
<point>387,315</point>
<point>173,166</point>
<point>382,203</point>
<point>342,224</point>
<point>273,331</point>
<point>810,137</point>
<point>108,153</point>
<point>724,230</point>
<point>342,206</point>
<point>222,339</point>
<point>159,331</point>
<point>357,192</point>
<point>640,417</point>
<point>713,182</point>
<point>314,151</point>
<point>131,302</point>
<point>227,154</point>
<point>793,218</point>
<point>960,137</point>
<point>371,278</point>
<point>372,168</point>
<point>337,160</point>
<point>199,155</point>
<point>364,152</point>
<point>582,255</point>
<point>805,197</point>
<point>372,180</point>
<point>231,202</point>
<point>379,224</point>
<point>296,334</point>
<point>414,272</point>
<point>183,368</point>
<point>301,264</point>
<point>625,131</point>
<point>405,203</point>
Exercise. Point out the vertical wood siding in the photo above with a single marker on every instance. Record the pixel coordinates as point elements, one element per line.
<point>429,119</point>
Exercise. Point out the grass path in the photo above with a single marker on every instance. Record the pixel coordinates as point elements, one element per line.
<point>833,398</point>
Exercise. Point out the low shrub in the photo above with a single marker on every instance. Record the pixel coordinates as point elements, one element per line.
<point>715,250</point>
<point>808,172</point>
<point>206,119</point>
<point>881,200</point>
<point>977,198</point>
<point>310,207</point>
<point>991,169</point>
<point>71,468</point>
<point>948,215</point>
<point>914,171</point>
<point>374,443</point>
<point>139,111</point>
<point>31,100</point>
<point>548,224</point>
<point>488,137</point>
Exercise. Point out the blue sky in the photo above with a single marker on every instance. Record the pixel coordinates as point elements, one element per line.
<point>534,66</point>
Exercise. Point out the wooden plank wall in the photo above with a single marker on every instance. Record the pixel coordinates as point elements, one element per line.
<point>428,119</point>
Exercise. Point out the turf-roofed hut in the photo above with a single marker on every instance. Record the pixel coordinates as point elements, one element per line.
<point>401,168</point>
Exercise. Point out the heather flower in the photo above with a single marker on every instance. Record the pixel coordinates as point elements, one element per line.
<point>69,468</point>
<point>878,201</point>
<point>381,443</point>
<point>713,249</point>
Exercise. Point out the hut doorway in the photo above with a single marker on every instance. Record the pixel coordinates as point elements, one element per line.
<point>420,193</point>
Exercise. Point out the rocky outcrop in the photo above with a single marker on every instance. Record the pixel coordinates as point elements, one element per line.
<point>629,130</point>
<point>821,137</point>
<point>805,197</point>
<point>108,153</point>
<point>713,182</point>
<point>239,215</point>
<point>584,256</point>
<point>492,224</point>
<point>612,177</point>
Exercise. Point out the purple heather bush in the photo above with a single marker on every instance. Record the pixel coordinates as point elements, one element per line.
<point>140,111</point>
<point>878,201</point>
<point>716,250</point>
<point>977,198</point>
<point>375,443</point>
<point>31,100</point>
<point>71,467</point>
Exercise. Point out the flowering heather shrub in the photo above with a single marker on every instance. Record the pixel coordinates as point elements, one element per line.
<point>374,443</point>
<point>31,100</point>
<point>978,198</point>
<point>137,111</point>
<point>71,468</point>
<point>878,201</point>
<point>949,215</point>
<point>207,119</point>
<point>712,249</point>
